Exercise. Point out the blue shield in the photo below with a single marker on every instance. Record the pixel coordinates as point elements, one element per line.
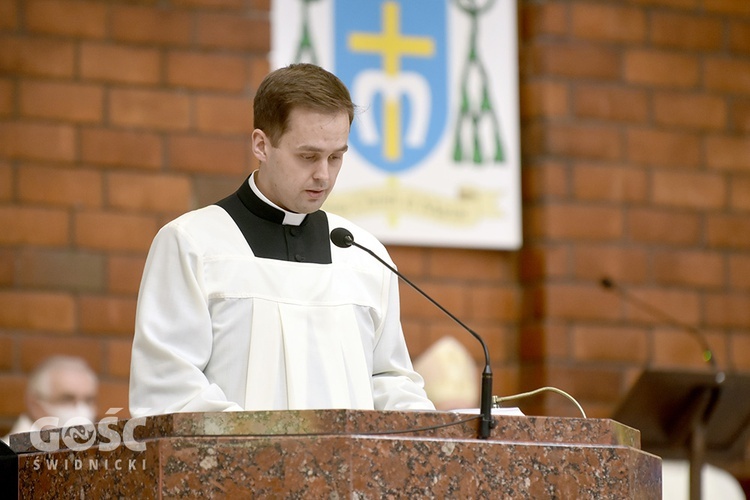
<point>392,56</point>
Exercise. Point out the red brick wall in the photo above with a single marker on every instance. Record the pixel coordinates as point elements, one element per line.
<point>116,116</point>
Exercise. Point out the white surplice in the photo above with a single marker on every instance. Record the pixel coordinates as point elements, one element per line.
<point>219,329</point>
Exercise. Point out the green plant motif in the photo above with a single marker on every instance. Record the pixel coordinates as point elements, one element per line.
<point>305,48</point>
<point>473,112</point>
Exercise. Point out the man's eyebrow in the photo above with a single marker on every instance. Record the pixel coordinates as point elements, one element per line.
<point>315,149</point>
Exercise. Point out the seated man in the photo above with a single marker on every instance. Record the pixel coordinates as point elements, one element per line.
<point>62,387</point>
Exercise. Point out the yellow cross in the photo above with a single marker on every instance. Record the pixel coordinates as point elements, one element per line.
<point>392,46</point>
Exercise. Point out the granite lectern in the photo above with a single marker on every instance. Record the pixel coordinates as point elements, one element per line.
<point>338,454</point>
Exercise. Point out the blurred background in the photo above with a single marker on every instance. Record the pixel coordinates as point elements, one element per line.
<point>116,116</point>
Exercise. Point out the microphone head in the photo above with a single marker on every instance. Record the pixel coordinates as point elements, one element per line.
<point>342,237</point>
<point>607,283</point>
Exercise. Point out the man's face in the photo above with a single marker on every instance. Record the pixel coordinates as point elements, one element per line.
<point>299,172</point>
<point>71,392</point>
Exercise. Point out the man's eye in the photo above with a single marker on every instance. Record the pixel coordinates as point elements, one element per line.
<point>308,157</point>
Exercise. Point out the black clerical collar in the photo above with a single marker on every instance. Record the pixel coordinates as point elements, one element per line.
<point>256,201</point>
<point>272,233</point>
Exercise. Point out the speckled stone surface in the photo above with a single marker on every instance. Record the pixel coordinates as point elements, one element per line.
<point>346,454</point>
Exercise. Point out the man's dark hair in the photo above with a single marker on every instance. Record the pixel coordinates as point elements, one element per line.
<point>300,85</point>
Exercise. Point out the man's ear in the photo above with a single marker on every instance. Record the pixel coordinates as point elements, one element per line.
<point>260,144</point>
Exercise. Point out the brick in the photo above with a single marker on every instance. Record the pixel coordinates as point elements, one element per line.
<point>209,189</point>
<point>103,315</point>
<point>584,141</point>
<point>59,186</point>
<point>542,19</point>
<point>124,274</point>
<point>149,193</point>
<point>7,266</point>
<point>727,7</point>
<point>740,346</point>
<point>62,101</point>
<point>114,395</point>
<point>208,154</point>
<point>606,183</point>
<point>739,194</point>
<point>37,311</point>
<point>663,226</point>
<point>740,116</point>
<point>204,71</point>
<point>678,348</point>
<point>739,36</point>
<point>610,23</point>
<point>9,15</point>
<point>34,350</point>
<point>623,265</point>
<point>690,268</point>
<point>71,18</point>
<point>494,303</point>
<point>727,75</point>
<point>672,303</point>
<point>472,265</point>
<point>38,141</point>
<point>542,261</point>
<point>60,269</point>
<point>728,152</point>
<point>114,148</point>
<point>155,109</point>
<point>412,261</point>
<point>114,231</point>
<point>139,24</point>
<point>728,231</point>
<point>6,181</point>
<point>118,358</point>
<point>7,353</point>
<point>611,103</point>
<point>580,302</point>
<point>703,112</point>
<point>259,67</point>
<point>689,189</point>
<point>728,310</point>
<point>543,99</point>
<point>661,148</point>
<point>686,31</point>
<point>36,57</point>
<point>574,61</point>
<point>548,340</point>
<point>112,63</point>
<point>546,179</point>
<point>230,31</point>
<point>679,4</point>
<point>12,390</point>
<point>211,4</point>
<point>581,222</point>
<point>739,271</point>
<point>610,344</point>
<point>34,226</point>
<point>7,98</point>
<point>660,68</point>
<point>450,296</point>
<point>224,115</point>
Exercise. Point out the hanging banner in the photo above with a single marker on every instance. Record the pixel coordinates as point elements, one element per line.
<point>434,150</point>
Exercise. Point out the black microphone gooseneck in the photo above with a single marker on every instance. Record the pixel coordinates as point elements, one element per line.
<point>708,355</point>
<point>343,238</point>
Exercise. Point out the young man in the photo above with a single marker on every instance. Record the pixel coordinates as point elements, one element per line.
<point>246,305</point>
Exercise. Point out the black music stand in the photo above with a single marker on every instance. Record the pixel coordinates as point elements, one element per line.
<point>700,416</point>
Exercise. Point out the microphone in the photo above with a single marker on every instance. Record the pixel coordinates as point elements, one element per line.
<point>708,355</point>
<point>342,238</point>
